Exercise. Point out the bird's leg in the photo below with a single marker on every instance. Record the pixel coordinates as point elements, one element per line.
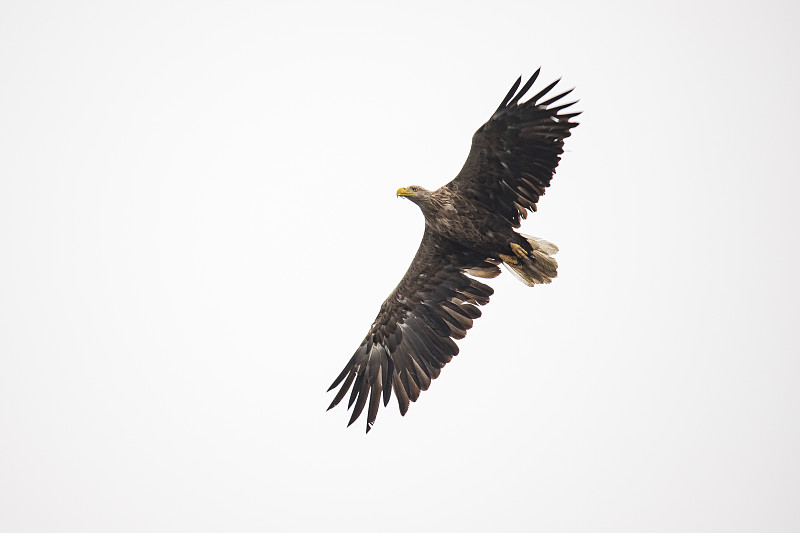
<point>519,251</point>
<point>509,259</point>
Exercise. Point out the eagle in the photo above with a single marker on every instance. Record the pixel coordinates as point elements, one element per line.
<point>469,232</point>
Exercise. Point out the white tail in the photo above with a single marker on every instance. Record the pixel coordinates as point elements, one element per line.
<point>538,267</point>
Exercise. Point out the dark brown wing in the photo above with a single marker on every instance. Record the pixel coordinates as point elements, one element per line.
<point>412,336</point>
<point>515,154</point>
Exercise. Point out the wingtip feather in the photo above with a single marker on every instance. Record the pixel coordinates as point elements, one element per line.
<point>510,94</point>
<point>525,87</point>
<point>535,99</point>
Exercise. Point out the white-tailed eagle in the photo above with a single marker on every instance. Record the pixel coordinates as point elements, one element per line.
<point>469,232</point>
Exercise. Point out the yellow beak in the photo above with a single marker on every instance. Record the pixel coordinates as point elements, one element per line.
<point>403,191</point>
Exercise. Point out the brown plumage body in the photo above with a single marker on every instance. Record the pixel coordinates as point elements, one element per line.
<point>469,231</point>
<point>451,216</point>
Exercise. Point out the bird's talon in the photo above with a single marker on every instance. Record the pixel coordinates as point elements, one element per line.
<point>509,260</point>
<point>519,251</point>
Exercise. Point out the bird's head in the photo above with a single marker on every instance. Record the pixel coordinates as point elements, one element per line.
<point>415,193</point>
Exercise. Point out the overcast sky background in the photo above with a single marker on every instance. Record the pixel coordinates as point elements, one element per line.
<point>198,223</point>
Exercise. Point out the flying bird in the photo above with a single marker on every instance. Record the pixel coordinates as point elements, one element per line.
<point>469,232</point>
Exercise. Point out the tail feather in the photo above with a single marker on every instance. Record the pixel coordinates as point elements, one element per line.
<point>539,267</point>
<point>547,246</point>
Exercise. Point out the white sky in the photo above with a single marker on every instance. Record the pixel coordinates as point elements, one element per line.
<point>198,224</point>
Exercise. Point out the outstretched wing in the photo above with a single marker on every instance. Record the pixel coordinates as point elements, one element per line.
<point>515,154</point>
<point>412,336</point>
